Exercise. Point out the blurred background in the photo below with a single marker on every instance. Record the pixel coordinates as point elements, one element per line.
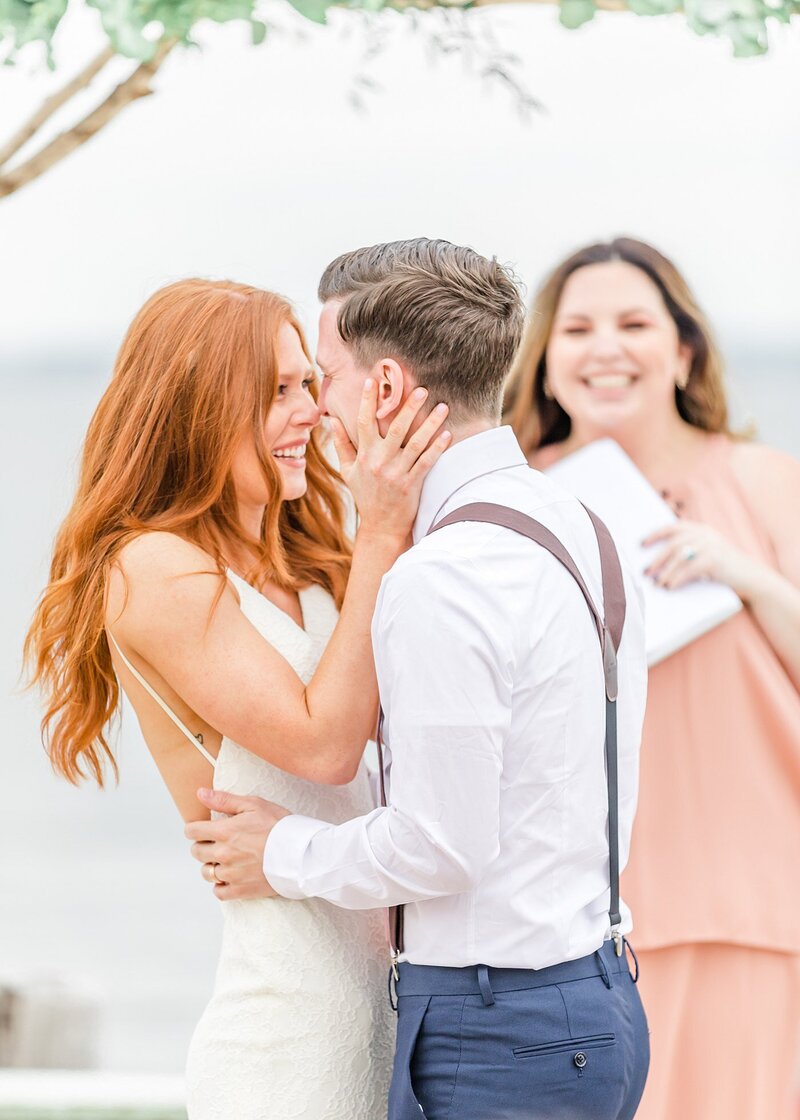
<point>262,163</point>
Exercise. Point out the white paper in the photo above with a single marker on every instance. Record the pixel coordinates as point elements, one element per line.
<point>603,477</point>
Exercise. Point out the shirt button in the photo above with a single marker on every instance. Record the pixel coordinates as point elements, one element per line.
<point>580,1059</point>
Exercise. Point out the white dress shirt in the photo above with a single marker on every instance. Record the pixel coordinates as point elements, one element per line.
<point>492,686</point>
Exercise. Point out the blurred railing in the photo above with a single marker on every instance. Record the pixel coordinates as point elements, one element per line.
<point>78,1095</point>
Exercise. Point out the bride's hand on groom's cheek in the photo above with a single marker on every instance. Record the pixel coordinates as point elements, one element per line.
<point>385,472</point>
<point>231,848</point>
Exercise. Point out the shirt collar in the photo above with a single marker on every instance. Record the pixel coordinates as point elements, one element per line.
<point>468,459</point>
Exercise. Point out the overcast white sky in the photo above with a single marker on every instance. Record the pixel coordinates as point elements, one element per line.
<point>250,163</point>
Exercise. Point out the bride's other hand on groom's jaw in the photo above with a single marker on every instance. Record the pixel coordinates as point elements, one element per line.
<point>231,848</point>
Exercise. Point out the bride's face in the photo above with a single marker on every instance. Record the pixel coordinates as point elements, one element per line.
<point>287,428</point>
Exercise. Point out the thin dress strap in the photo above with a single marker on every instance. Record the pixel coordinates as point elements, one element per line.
<point>163,705</point>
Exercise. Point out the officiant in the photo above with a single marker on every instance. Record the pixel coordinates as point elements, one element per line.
<point>616,346</point>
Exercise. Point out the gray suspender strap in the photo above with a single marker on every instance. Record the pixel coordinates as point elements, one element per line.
<point>163,704</point>
<point>609,631</point>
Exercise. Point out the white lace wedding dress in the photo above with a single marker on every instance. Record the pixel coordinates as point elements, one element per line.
<point>298,1027</point>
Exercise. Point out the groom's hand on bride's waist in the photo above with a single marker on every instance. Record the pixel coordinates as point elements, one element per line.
<point>231,848</point>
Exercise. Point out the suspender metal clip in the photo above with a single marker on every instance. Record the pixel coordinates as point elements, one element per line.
<point>610,665</point>
<point>394,976</point>
<point>619,943</point>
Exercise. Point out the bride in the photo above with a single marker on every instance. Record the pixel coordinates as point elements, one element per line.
<point>204,566</point>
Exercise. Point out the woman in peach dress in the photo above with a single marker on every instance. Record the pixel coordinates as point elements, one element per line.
<point>618,347</point>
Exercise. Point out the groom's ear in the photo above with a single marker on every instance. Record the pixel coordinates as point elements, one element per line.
<point>391,380</point>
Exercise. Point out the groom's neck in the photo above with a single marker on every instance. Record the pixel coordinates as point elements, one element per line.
<point>473,427</point>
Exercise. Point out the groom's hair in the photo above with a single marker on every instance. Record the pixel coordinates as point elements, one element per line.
<point>454,317</point>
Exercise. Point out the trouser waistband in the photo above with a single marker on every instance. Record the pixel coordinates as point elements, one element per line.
<point>438,980</point>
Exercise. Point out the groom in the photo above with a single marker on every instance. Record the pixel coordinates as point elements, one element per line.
<point>514,993</point>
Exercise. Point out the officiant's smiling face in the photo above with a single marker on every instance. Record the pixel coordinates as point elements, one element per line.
<point>614,354</point>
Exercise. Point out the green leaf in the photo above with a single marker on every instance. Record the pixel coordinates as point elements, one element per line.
<point>699,26</point>
<point>748,10</point>
<point>782,14</point>
<point>222,11</point>
<point>747,48</point>
<point>574,13</point>
<point>176,19</point>
<point>315,10</point>
<point>124,26</point>
<point>653,7</point>
<point>743,22</point>
<point>749,37</point>
<point>26,21</point>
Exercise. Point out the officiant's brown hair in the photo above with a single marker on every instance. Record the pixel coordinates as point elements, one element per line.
<point>454,317</point>
<point>197,370</point>
<point>538,420</point>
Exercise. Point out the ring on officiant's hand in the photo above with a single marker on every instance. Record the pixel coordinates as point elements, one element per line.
<point>688,553</point>
<point>214,867</point>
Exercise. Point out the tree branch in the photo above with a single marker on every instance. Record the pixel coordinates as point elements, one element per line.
<point>53,103</point>
<point>134,87</point>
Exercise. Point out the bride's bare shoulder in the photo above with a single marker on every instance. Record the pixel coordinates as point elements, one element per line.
<point>158,554</point>
<point>147,562</point>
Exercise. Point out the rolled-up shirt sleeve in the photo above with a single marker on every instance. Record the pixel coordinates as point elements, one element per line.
<point>444,664</point>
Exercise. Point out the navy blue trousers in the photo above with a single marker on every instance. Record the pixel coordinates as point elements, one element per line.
<point>568,1042</point>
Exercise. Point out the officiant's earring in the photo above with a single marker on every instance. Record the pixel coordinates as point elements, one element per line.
<point>682,381</point>
<point>546,390</point>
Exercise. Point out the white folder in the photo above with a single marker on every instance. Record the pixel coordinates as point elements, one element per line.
<point>603,477</point>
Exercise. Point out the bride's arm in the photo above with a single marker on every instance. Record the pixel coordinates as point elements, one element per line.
<point>219,664</point>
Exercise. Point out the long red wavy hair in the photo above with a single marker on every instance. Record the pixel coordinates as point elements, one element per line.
<point>196,370</point>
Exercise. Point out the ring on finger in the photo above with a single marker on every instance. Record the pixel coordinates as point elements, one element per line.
<point>214,867</point>
<point>688,553</point>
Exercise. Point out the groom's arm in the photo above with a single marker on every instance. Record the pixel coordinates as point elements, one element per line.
<point>444,661</point>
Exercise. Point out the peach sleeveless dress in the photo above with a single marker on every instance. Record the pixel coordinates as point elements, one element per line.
<point>714,874</point>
